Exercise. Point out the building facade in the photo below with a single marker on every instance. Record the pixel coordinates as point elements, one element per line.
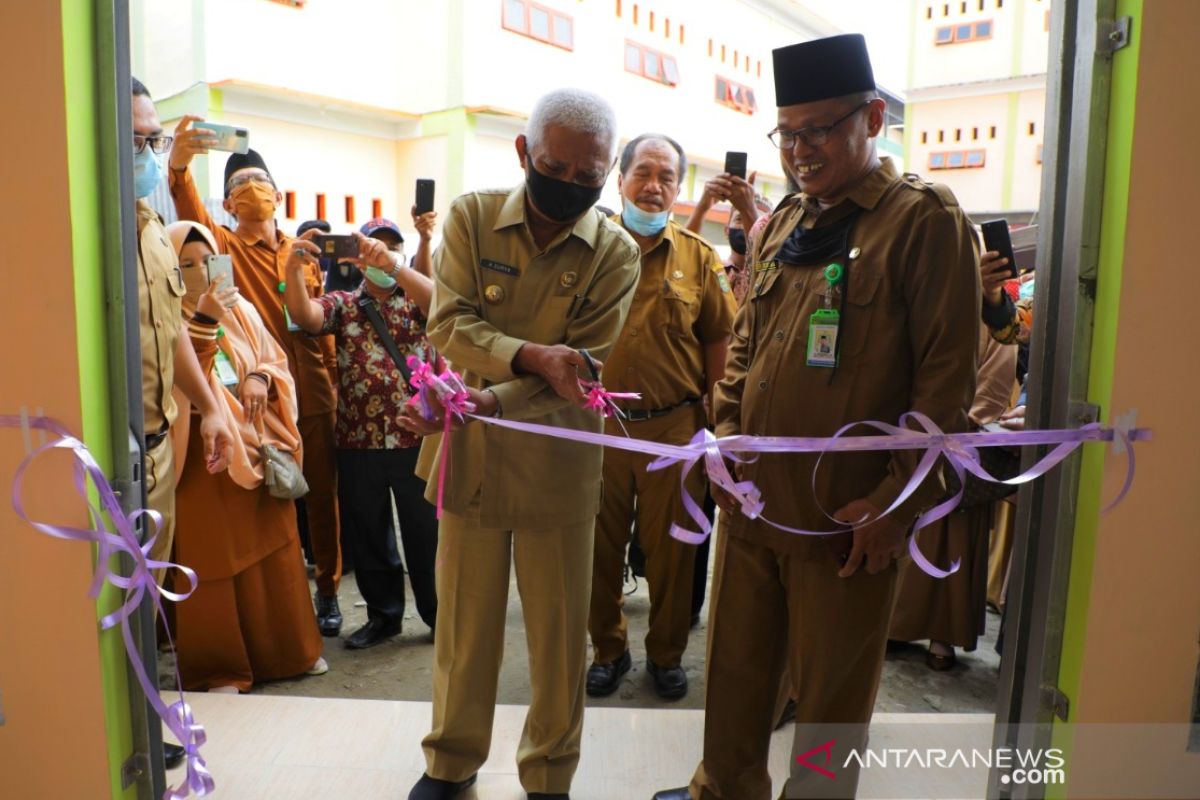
<point>350,101</point>
<point>976,101</point>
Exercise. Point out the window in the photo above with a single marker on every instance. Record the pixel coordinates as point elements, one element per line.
<point>350,209</point>
<point>999,3</point>
<point>981,5</point>
<point>652,22</point>
<point>320,206</point>
<point>1032,128</point>
<point>289,204</point>
<point>992,132</point>
<point>1047,23</point>
<point>958,159</point>
<point>747,65</point>
<point>619,7</point>
<point>941,136</point>
<point>635,14</point>
<point>735,59</point>
<point>974,134</point>
<point>759,69</point>
<point>649,63</point>
<point>1039,154</point>
<point>722,54</point>
<point>376,208</point>
<point>538,22</point>
<point>710,48</point>
<point>736,96</point>
<point>928,12</point>
<point>946,10</point>
<point>681,34</point>
<point>958,134</point>
<point>667,27</point>
<point>963,7</point>
<point>924,137</point>
<point>969,32</point>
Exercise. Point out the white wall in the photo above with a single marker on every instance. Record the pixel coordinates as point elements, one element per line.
<point>979,189</point>
<point>1018,46</point>
<point>1027,172</point>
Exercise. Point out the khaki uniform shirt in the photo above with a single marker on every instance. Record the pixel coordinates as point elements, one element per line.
<point>160,312</point>
<point>258,271</point>
<point>909,337</point>
<point>682,303</point>
<point>493,292</point>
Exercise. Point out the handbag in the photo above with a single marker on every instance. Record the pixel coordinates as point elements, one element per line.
<point>281,474</point>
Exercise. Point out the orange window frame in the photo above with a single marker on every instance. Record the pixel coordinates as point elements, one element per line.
<point>729,100</point>
<point>663,60</point>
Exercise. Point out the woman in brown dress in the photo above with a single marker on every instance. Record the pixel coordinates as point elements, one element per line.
<point>251,618</point>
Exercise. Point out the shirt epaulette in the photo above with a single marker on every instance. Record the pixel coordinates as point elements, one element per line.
<point>939,190</point>
<point>704,243</point>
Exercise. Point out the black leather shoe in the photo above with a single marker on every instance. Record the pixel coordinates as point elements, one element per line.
<point>329,616</point>
<point>433,789</point>
<point>669,682</point>
<point>672,794</point>
<point>603,679</point>
<point>371,634</point>
<point>173,755</point>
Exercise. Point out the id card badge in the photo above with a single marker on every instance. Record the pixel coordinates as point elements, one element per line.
<point>291,326</point>
<point>822,338</point>
<point>225,371</point>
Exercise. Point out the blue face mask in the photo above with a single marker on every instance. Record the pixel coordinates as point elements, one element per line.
<point>380,278</point>
<point>644,223</point>
<point>147,172</point>
<point>1027,290</point>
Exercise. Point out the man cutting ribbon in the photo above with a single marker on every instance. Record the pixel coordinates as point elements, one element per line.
<point>894,329</point>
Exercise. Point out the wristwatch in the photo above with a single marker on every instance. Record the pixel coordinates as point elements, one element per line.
<point>496,413</point>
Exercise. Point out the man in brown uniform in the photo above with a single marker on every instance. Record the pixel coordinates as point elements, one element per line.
<point>901,321</point>
<point>260,251</point>
<point>167,357</point>
<point>672,351</point>
<point>523,280</point>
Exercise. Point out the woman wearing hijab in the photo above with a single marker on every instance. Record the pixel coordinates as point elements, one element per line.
<point>250,619</point>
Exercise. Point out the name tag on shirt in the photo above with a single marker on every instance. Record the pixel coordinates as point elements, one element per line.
<point>496,266</point>
<point>225,371</point>
<point>822,338</point>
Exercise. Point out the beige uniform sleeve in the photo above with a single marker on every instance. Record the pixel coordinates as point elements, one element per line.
<point>942,291</point>
<point>596,328</point>
<point>717,305</point>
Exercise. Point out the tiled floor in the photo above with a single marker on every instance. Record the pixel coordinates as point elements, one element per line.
<point>303,748</point>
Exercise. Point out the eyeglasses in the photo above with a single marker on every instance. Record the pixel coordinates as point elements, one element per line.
<point>813,137</point>
<point>242,180</point>
<point>158,144</point>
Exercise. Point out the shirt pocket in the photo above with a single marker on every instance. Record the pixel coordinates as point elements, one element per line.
<point>862,306</point>
<point>681,306</point>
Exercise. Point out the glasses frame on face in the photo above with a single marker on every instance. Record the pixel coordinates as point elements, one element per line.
<point>814,136</point>
<point>241,180</point>
<point>158,144</point>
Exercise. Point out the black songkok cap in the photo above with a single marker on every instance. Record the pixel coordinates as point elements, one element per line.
<point>821,69</point>
<point>237,161</point>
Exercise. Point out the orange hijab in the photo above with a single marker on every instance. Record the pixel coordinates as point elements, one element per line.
<point>250,348</point>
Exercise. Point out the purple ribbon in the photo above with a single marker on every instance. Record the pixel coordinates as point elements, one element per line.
<point>178,716</point>
<point>961,450</point>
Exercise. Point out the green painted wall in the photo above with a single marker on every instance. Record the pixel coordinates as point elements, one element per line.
<point>79,59</point>
<point>1104,339</point>
<point>459,129</point>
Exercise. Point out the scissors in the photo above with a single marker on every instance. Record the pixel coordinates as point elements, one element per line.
<point>591,364</point>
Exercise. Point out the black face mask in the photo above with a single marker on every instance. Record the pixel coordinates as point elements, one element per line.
<point>737,241</point>
<point>558,200</point>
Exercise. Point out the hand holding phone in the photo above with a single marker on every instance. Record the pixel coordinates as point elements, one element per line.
<point>230,138</point>
<point>996,239</point>
<point>424,196</point>
<point>219,264</point>
<point>336,246</point>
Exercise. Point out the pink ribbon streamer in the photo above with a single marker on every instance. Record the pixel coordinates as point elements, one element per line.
<point>600,400</point>
<point>178,716</point>
<point>455,400</point>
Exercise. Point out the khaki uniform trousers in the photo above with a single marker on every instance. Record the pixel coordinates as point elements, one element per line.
<point>654,500</point>
<point>772,611</point>
<point>160,494</point>
<point>554,570</point>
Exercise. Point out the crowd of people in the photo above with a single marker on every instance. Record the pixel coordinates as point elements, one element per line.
<point>858,297</point>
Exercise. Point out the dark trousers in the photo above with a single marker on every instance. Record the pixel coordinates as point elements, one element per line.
<point>368,479</point>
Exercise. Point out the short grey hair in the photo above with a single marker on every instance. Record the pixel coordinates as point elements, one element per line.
<point>574,109</point>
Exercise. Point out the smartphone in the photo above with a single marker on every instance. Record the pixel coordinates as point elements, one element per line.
<point>220,265</point>
<point>735,164</point>
<point>229,137</point>
<point>424,195</point>
<point>995,238</point>
<point>337,246</point>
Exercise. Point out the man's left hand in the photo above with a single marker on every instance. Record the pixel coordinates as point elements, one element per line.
<point>876,541</point>
<point>413,422</point>
<point>217,442</point>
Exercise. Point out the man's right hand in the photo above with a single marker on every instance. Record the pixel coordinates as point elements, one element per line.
<point>559,365</point>
<point>994,271</point>
<point>189,142</point>
<point>303,251</point>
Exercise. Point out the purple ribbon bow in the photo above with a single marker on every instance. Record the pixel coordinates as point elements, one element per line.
<point>178,717</point>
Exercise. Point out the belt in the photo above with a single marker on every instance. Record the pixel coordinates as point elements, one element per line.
<point>642,416</point>
<point>155,439</point>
